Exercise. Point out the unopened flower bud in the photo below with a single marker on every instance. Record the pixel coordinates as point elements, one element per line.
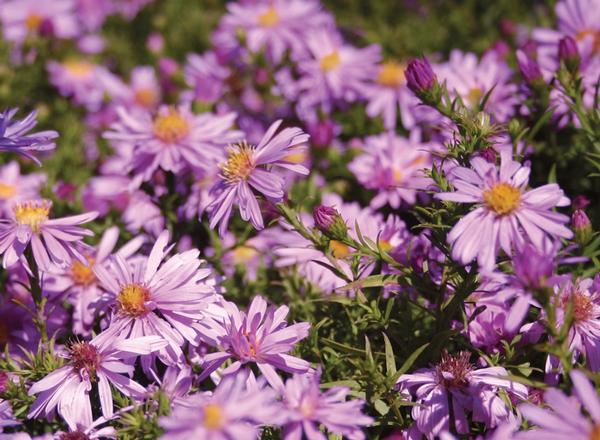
<point>419,76</point>
<point>530,70</point>
<point>581,226</point>
<point>569,54</point>
<point>329,221</point>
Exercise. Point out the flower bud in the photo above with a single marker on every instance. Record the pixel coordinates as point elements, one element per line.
<point>532,267</point>
<point>581,226</point>
<point>530,70</point>
<point>329,221</point>
<point>419,76</point>
<point>569,54</point>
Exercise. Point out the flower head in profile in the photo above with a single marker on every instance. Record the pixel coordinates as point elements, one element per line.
<point>150,297</point>
<point>261,335</point>
<point>455,381</point>
<point>14,137</point>
<point>250,168</point>
<point>236,409</point>
<point>561,418</point>
<point>100,362</point>
<point>393,166</point>
<point>507,216</point>
<point>306,407</point>
<point>52,240</point>
<point>172,138</point>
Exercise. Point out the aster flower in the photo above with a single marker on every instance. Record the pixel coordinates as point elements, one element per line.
<point>277,25</point>
<point>206,76</point>
<point>80,80</point>
<point>6,415</point>
<point>52,240</point>
<point>142,92</point>
<point>261,335</point>
<point>172,139</point>
<point>306,407</point>
<point>23,18</point>
<point>151,297</point>
<point>234,410</point>
<point>332,71</point>
<point>16,187</point>
<point>250,167</point>
<point>393,166</point>
<point>14,137</point>
<point>507,215</point>
<point>562,418</point>
<point>79,283</point>
<point>455,381</point>
<point>471,79</point>
<point>100,362</point>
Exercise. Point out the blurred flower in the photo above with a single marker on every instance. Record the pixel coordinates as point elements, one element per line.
<point>246,169</point>
<point>16,187</point>
<point>206,76</point>
<point>261,336</point>
<point>530,69</point>
<point>14,137</point>
<point>80,79</point>
<point>100,361</point>
<point>507,215</point>
<point>30,223</point>
<point>234,410</point>
<point>568,53</point>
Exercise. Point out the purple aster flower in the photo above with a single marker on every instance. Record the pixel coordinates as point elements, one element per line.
<point>455,381</point>
<point>234,410</point>
<point>80,80</point>
<point>276,26</point>
<point>261,335</point>
<point>562,418</point>
<point>79,283</point>
<point>507,215</point>
<point>306,408</point>
<point>250,167</point>
<point>52,240</point>
<point>93,13</point>
<point>100,362</point>
<point>16,187</point>
<point>172,139</point>
<point>14,137</point>
<point>23,18</point>
<point>142,92</point>
<point>471,79</point>
<point>6,415</point>
<point>206,76</point>
<point>393,166</point>
<point>332,71</point>
<point>151,297</point>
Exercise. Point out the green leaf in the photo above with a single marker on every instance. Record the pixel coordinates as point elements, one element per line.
<point>374,281</point>
<point>408,363</point>
<point>390,360</point>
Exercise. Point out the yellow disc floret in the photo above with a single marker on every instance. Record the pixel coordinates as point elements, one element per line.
<point>32,214</point>
<point>82,274</point>
<point>269,18</point>
<point>7,191</point>
<point>240,162</point>
<point>391,74</point>
<point>502,198</point>
<point>132,299</point>
<point>171,127</point>
<point>330,62</point>
<point>213,416</point>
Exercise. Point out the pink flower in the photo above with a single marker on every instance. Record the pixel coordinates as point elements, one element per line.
<point>251,167</point>
<point>507,215</point>
<point>261,336</point>
<point>52,240</point>
<point>100,361</point>
<point>151,297</point>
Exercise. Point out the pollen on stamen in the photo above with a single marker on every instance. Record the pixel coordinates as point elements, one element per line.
<point>452,371</point>
<point>32,213</point>
<point>239,164</point>
<point>502,198</point>
<point>132,300</point>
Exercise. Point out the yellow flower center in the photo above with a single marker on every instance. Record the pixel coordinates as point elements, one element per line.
<point>474,95</point>
<point>145,97</point>
<point>330,62</point>
<point>595,433</point>
<point>385,245</point>
<point>391,74</point>
<point>171,127</point>
<point>213,416</point>
<point>502,198</point>
<point>132,299</point>
<point>81,274</point>
<point>79,68</point>
<point>594,33</point>
<point>269,18</point>
<point>240,162</point>
<point>397,175</point>
<point>32,214</point>
<point>7,191</point>
<point>33,21</point>
<point>242,254</point>
<point>339,249</point>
